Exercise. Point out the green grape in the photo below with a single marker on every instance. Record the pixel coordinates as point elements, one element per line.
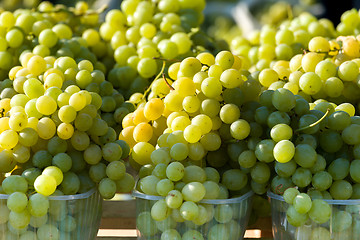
<point>48,231</point>
<point>234,179</point>
<point>330,141</point>
<point>19,220</point>
<point>212,174</point>
<point>160,211</point>
<point>322,180</point>
<point>14,183</point>
<point>175,171</point>
<point>170,233</point>
<point>115,170</point>
<point>211,87</point>
<point>277,117</point>
<point>159,171</point>
<point>285,169</point>
<point>354,167</point>
<point>192,235</point>
<point>302,203</point>
<point>107,188</point>
<point>301,177</point>
<point>295,218</point>
<point>260,172</point>
<point>146,224</point>
<point>38,205</point>
<point>179,151</point>
<point>305,155</point>
<point>189,210</point>
<point>164,186</point>
<point>56,145</point>
<point>281,132</point>
<point>31,174</point>
<point>45,185</point>
<point>194,173</point>
<point>17,202</point>
<point>218,231</point>
<point>223,213</point>
<point>70,184</point>
<point>310,83</point>
<point>320,211</point>
<point>339,168</point>
<point>283,100</point>
<point>63,161</point>
<point>349,134</point>
<point>264,150</point>
<point>290,194</point>
<point>341,189</point>
<point>247,159</point>
<point>341,221</point>
<point>148,184</point>
<point>193,191</point>
<point>325,70</point>
<point>284,151</point>
<point>348,71</point>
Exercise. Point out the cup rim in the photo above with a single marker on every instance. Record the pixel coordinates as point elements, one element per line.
<point>247,195</point>
<point>275,196</point>
<point>63,197</point>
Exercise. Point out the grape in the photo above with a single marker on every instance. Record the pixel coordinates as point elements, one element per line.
<point>70,184</point>
<point>170,234</point>
<point>302,203</point>
<point>193,191</point>
<point>223,213</point>
<point>160,211</point>
<point>294,218</point>
<point>341,220</point>
<point>115,170</point>
<point>45,184</point>
<point>19,220</point>
<point>189,210</point>
<point>175,171</point>
<point>290,194</point>
<point>284,151</point>
<point>234,179</point>
<point>38,205</point>
<point>192,235</point>
<point>107,188</point>
<point>48,231</point>
<point>14,183</point>
<point>320,211</point>
<point>341,189</point>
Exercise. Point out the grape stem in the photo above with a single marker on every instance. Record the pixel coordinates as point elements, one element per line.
<point>156,78</point>
<point>167,83</point>
<point>315,123</point>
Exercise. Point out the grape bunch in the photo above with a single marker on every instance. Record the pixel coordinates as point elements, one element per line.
<point>54,142</point>
<point>180,135</point>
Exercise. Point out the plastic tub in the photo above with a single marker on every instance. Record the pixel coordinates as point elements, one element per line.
<point>69,217</point>
<point>228,226</point>
<point>344,224</point>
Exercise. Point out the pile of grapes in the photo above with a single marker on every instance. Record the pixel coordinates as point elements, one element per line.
<point>82,99</point>
<point>278,113</point>
<point>66,77</point>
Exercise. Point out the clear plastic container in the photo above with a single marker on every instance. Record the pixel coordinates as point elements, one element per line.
<point>344,223</point>
<point>227,219</point>
<point>69,217</point>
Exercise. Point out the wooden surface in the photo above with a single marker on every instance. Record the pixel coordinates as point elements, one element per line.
<point>118,221</point>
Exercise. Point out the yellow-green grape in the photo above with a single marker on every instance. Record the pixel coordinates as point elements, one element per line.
<point>45,185</point>
<point>46,105</point>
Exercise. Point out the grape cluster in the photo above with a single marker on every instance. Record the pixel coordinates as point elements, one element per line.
<point>179,135</point>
